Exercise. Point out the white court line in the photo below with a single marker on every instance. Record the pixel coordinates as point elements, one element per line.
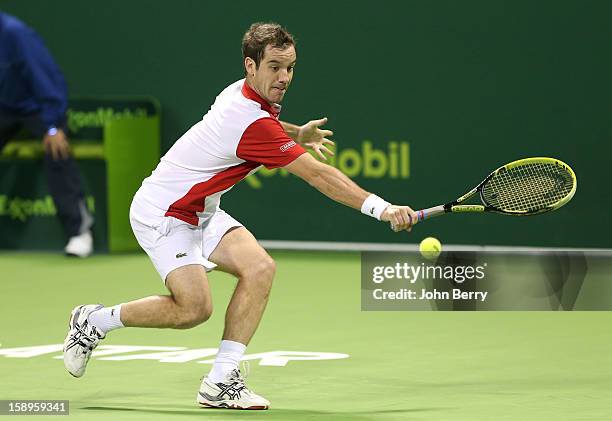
<point>344,246</point>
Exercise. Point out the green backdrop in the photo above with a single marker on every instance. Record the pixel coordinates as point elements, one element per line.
<point>463,86</point>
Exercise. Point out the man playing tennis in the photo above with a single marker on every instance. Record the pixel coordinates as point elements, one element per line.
<point>176,217</point>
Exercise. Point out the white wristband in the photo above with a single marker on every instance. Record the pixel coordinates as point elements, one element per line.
<point>374,206</point>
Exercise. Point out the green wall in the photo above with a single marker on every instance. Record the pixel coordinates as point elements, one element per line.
<point>469,85</point>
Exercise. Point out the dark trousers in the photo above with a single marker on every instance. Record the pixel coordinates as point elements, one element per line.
<point>63,178</point>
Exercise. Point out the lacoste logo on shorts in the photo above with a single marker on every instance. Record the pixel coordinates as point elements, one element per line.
<point>287,146</point>
<point>179,255</point>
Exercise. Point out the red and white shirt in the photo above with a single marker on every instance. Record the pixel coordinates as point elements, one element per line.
<point>238,135</point>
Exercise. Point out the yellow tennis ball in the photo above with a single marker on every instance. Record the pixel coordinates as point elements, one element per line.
<point>430,248</point>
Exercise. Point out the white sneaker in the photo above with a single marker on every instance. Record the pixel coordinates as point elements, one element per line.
<point>81,340</point>
<point>80,245</point>
<point>232,394</point>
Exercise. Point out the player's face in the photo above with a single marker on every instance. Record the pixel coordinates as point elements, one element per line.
<point>273,76</point>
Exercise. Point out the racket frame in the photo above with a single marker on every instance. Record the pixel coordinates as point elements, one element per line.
<point>456,206</point>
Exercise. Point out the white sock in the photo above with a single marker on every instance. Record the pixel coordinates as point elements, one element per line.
<point>229,356</point>
<point>107,318</point>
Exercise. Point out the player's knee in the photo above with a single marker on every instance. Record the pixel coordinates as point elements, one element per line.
<point>260,275</point>
<point>263,271</point>
<point>194,315</point>
<point>203,313</point>
<point>268,269</point>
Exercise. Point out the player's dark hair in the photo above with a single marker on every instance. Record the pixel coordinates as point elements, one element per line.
<point>262,34</point>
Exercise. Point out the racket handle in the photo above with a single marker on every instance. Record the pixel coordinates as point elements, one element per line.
<point>424,214</point>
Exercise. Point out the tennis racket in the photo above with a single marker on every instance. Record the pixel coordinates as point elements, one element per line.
<point>528,186</point>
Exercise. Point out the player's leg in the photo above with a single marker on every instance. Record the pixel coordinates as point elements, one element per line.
<point>188,305</point>
<point>175,249</point>
<point>238,253</point>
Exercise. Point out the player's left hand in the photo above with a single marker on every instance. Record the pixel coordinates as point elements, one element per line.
<point>311,135</point>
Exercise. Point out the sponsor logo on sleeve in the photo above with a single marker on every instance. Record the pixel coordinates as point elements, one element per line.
<point>287,146</point>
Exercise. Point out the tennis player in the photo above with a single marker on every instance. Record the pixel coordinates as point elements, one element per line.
<point>177,220</point>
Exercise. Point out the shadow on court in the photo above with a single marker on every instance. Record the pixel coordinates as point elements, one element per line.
<point>273,414</point>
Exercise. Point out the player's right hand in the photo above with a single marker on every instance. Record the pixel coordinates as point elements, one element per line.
<point>400,217</point>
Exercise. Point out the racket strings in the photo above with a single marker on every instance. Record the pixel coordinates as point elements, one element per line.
<point>529,187</point>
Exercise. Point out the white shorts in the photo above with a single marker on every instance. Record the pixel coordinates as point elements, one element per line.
<point>172,243</point>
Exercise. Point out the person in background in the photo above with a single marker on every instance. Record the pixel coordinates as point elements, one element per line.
<point>33,97</point>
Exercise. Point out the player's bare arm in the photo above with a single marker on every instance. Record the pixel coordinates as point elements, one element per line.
<point>334,184</point>
<point>312,136</point>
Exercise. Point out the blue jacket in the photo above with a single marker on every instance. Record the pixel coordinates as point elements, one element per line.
<point>30,81</point>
